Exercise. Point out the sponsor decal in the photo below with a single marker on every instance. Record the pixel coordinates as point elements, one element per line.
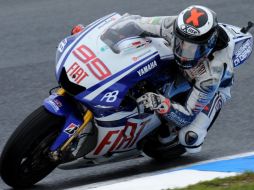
<point>61,45</point>
<point>124,139</point>
<point>56,104</point>
<point>189,30</point>
<point>77,72</point>
<point>96,66</point>
<point>177,119</point>
<point>243,52</point>
<point>71,129</point>
<point>110,96</point>
<point>147,68</point>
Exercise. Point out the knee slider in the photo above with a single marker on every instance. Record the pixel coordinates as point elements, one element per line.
<point>191,138</point>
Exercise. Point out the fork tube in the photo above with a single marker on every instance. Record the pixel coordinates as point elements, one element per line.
<point>87,118</point>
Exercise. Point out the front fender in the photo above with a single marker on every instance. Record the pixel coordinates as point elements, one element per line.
<point>58,105</point>
<point>62,106</point>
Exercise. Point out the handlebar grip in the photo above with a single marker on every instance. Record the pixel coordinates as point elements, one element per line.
<point>247,28</point>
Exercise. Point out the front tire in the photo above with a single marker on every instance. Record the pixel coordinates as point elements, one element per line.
<point>24,160</point>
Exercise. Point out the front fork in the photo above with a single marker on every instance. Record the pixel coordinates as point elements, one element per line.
<point>60,105</point>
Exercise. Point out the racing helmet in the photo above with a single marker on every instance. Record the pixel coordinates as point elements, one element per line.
<point>195,35</point>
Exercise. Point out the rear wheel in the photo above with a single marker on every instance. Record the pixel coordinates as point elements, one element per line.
<point>24,160</point>
<point>163,152</point>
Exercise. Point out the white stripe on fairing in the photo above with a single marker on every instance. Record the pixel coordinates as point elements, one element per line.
<point>177,179</point>
<point>93,94</point>
<point>81,35</point>
<point>117,116</point>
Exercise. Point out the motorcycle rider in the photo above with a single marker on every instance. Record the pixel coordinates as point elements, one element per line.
<point>202,52</point>
<point>203,55</point>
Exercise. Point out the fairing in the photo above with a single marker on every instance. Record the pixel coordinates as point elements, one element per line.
<point>100,77</point>
<point>61,106</point>
<point>107,75</point>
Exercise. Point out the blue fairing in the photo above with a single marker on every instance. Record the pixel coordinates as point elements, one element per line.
<point>72,123</point>
<point>57,105</point>
<point>121,87</point>
<point>60,105</point>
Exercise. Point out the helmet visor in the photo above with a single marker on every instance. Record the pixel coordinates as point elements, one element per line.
<point>187,51</point>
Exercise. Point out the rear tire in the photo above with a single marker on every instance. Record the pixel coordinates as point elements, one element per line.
<point>154,149</point>
<point>24,160</point>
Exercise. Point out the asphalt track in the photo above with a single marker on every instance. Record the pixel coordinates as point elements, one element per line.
<point>30,31</point>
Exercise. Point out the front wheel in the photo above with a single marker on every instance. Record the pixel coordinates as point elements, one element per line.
<point>24,160</point>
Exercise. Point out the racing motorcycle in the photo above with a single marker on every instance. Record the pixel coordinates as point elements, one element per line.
<point>93,116</point>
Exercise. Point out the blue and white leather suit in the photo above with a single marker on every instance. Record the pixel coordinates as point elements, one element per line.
<point>211,82</point>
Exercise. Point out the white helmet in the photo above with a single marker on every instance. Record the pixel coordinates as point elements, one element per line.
<point>195,35</point>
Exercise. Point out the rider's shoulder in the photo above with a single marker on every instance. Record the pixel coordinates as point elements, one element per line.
<point>221,59</point>
<point>224,49</point>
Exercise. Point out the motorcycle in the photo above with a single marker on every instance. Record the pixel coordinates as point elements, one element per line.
<point>93,116</point>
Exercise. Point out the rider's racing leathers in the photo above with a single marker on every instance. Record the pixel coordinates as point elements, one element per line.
<point>211,80</point>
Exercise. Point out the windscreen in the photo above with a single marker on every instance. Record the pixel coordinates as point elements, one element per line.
<point>119,31</point>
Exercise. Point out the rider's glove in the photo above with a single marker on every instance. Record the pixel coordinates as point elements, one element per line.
<point>76,29</point>
<point>155,102</point>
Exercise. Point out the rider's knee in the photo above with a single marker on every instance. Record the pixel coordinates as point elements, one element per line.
<point>192,138</point>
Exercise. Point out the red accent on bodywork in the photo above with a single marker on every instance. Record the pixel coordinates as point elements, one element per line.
<point>77,29</point>
<point>122,138</point>
<point>136,43</point>
<point>76,72</point>
<point>87,54</point>
<point>94,64</point>
<point>105,141</point>
<point>139,132</point>
<point>116,141</point>
<point>129,138</point>
<point>103,71</point>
